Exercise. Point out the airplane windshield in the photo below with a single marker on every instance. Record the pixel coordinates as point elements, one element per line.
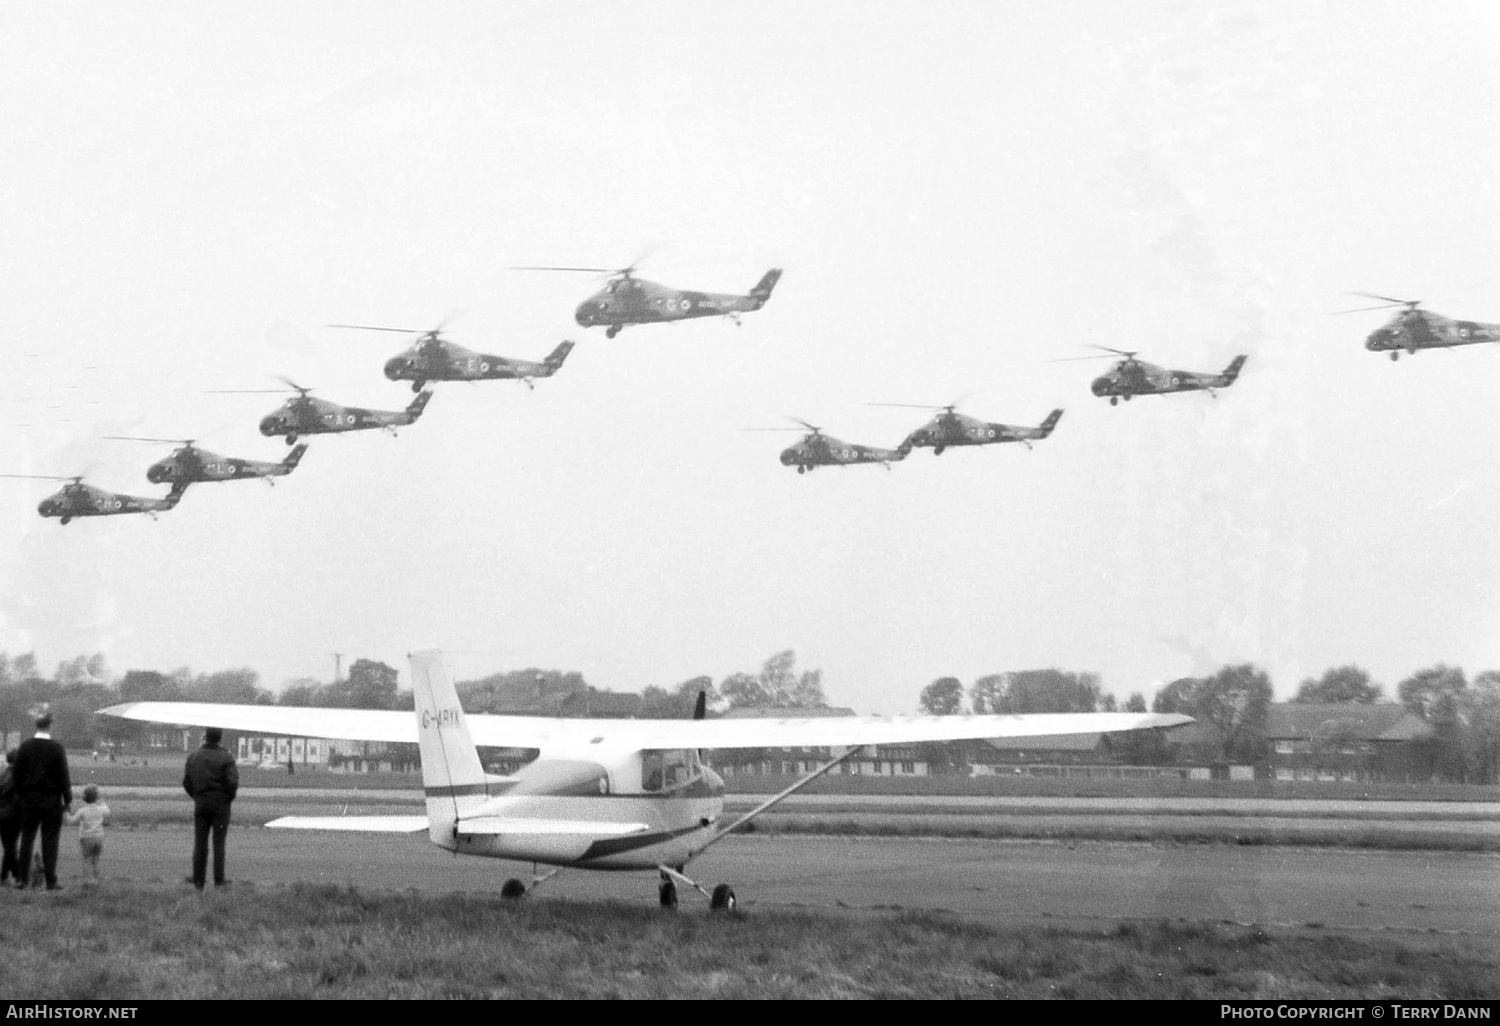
<point>665,770</point>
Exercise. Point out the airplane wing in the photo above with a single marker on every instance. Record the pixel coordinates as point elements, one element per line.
<point>363,824</point>
<point>551,733</point>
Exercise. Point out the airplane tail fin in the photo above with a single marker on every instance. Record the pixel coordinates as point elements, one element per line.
<point>1232,371</point>
<point>762,290</point>
<point>1046,426</point>
<point>555,358</point>
<point>453,778</point>
<point>294,457</point>
<point>417,405</point>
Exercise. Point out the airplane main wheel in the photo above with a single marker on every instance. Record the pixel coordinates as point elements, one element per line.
<point>723,899</point>
<point>512,888</point>
<point>667,893</point>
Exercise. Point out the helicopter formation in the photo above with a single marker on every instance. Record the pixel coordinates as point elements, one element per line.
<point>627,300</point>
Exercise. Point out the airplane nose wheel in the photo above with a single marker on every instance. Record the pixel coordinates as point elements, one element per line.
<point>723,899</point>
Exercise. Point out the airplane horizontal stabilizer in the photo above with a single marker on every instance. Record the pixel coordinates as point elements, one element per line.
<point>363,824</point>
<point>512,826</point>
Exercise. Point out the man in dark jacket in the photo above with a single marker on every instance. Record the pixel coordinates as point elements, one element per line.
<point>211,779</point>
<point>43,793</point>
<point>10,821</point>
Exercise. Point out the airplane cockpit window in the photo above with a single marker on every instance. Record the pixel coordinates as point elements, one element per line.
<point>666,770</point>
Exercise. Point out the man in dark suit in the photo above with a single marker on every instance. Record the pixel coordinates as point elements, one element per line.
<point>211,779</point>
<point>43,792</point>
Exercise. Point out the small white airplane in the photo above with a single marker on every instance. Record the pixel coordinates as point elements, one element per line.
<point>602,794</point>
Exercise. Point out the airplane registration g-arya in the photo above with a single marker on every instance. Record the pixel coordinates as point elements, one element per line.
<point>602,794</point>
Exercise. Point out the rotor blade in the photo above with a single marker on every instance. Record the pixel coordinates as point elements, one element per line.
<point>293,384</point>
<point>244,391</point>
<point>596,270</point>
<point>1363,309</point>
<point>138,438</point>
<point>1387,299</point>
<point>1127,353</point>
<point>44,477</point>
<point>373,327</point>
<point>1070,359</point>
<point>799,420</point>
<point>910,406</point>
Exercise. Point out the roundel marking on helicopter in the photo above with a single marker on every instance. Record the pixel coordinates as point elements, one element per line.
<point>1463,332</point>
<point>685,303</point>
<point>484,366</point>
<point>989,432</point>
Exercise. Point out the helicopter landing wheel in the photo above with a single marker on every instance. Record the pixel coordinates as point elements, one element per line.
<point>513,888</point>
<point>612,331</point>
<point>65,521</point>
<point>416,386</point>
<point>801,469</point>
<point>667,894</point>
<point>291,439</point>
<point>1395,356</point>
<point>723,899</point>
<point>1114,400</point>
<point>937,450</point>
<point>1127,397</point>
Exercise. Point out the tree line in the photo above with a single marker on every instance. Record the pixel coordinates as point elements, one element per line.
<point>79,687</point>
<point>1234,704</point>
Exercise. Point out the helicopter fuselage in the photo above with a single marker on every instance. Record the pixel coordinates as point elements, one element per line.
<point>1421,329</point>
<point>445,361</point>
<point>820,450</point>
<point>191,465</point>
<point>306,415</point>
<point>631,300</point>
<point>81,500</point>
<point>1132,377</point>
<point>950,428</point>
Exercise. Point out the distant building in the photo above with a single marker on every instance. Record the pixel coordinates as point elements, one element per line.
<point>1346,742</point>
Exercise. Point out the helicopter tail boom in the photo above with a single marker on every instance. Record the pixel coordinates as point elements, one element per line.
<point>1232,371</point>
<point>555,358</point>
<point>1045,427</point>
<point>294,457</point>
<point>416,406</point>
<point>762,290</point>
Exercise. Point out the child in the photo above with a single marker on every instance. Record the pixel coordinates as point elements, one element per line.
<point>91,818</point>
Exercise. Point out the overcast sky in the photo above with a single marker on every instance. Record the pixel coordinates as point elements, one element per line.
<point>963,195</point>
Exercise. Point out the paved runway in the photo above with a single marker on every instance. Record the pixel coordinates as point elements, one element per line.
<point>1006,883</point>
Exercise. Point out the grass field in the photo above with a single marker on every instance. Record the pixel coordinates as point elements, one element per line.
<point>303,941</point>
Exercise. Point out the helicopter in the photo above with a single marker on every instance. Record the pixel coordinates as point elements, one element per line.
<point>304,415</point>
<point>1131,377</point>
<point>76,499</point>
<point>1414,329</point>
<point>192,465</point>
<point>626,299</point>
<point>953,428</point>
<point>433,358</point>
<point>816,449</point>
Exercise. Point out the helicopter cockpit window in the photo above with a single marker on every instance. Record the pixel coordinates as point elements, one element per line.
<point>611,286</point>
